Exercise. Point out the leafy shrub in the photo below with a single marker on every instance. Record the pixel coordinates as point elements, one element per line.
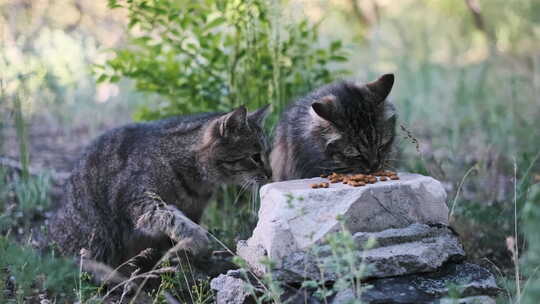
<point>217,54</point>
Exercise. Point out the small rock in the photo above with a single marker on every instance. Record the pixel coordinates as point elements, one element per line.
<point>468,300</point>
<point>230,289</point>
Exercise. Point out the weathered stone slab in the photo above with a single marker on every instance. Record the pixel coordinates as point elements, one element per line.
<point>414,249</point>
<point>473,282</point>
<point>468,300</point>
<point>293,216</point>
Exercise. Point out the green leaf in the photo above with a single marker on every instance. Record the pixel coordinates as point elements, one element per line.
<point>132,22</point>
<point>335,45</point>
<point>113,4</point>
<point>101,78</point>
<point>338,58</point>
<point>215,23</point>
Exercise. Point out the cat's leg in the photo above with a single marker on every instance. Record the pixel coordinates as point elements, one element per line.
<point>155,218</point>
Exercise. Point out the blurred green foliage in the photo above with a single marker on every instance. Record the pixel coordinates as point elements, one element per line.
<point>32,196</point>
<point>22,200</point>
<point>217,54</point>
<point>28,272</point>
<point>46,49</point>
<point>531,261</point>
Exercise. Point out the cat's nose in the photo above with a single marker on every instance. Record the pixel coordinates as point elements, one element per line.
<point>373,165</point>
<point>268,174</point>
<point>263,179</point>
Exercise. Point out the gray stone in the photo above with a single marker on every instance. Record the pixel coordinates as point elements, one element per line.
<point>473,282</point>
<point>412,233</point>
<point>469,300</point>
<point>348,297</point>
<point>413,249</point>
<point>293,217</point>
<point>409,253</point>
<point>292,295</point>
<point>230,289</point>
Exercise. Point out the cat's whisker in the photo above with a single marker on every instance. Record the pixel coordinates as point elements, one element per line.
<point>243,188</point>
<point>254,195</point>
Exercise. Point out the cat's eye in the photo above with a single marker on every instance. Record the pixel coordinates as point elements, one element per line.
<point>256,158</point>
<point>351,152</point>
<point>234,160</point>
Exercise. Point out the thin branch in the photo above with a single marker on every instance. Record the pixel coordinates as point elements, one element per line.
<point>474,7</point>
<point>480,23</point>
<point>360,14</point>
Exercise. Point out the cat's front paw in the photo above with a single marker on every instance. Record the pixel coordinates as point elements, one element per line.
<point>198,243</point>
<point>191,237</point>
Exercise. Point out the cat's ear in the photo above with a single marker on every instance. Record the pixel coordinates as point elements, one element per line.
<point>233,121</point>
<point>382,86</point>
<point>325,108</point>
<point>259,115</point>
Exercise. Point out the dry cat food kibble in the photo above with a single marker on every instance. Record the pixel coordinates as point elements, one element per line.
<point>356,184</point>
<point>384,173</point>
<point>320,185</point>
<point>356,180</point>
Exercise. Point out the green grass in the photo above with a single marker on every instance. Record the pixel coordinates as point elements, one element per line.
<point>26,273</point>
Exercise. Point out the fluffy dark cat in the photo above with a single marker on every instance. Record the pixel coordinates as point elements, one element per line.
<point>146,185</point>
<point>341,127</point>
